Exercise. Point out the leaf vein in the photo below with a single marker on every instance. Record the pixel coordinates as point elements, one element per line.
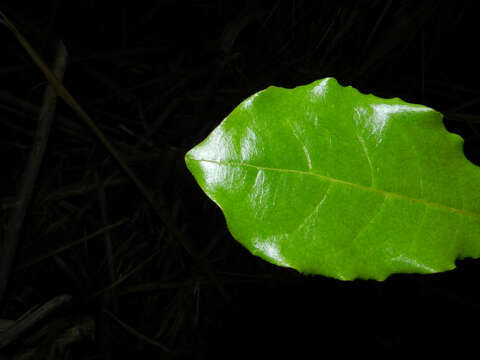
<point>324,197</point>
<point>362,143</point>
<point>304,148</point>
<point>420,177</point>
<point>370,221</point>
<point>347,183</point>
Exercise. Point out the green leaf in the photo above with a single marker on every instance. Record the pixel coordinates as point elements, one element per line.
<point>327,180</point>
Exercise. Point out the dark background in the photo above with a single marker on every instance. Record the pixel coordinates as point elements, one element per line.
<point>157,77</point>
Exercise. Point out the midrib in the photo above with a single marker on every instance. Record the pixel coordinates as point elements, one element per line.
<point>347,183</point>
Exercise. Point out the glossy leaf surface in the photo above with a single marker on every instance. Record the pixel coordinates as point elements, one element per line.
<point>327,180</point>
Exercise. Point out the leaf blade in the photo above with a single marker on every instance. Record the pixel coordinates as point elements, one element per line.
<point>325,179</point>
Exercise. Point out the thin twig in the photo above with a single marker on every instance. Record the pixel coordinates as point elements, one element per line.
<point>138,335</point>
<point>80,241</point>
<point>110,297</point>
<point>30,318</point>
<point>30,173</point>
